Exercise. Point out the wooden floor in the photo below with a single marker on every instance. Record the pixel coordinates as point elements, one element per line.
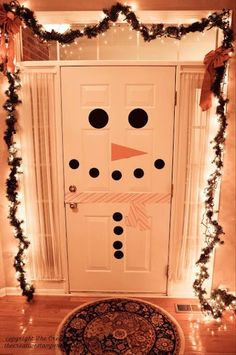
<point>30,328</point>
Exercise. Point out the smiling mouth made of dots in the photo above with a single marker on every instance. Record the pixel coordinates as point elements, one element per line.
<point>116,174</point>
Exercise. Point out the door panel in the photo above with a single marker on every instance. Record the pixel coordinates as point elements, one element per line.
<point>118,141</point>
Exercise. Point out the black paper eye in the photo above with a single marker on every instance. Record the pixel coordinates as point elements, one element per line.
<point>159,164</point>
<point>98,118</point>
<point>73,164</point>
<point>138,118</point>
<point>94,172</point>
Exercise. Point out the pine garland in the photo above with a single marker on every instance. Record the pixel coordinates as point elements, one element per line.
<point>12,185</point>
<point>220,299</point>
<point>149,33</point>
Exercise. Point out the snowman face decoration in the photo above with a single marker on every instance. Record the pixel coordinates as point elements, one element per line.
<point>138,118</point>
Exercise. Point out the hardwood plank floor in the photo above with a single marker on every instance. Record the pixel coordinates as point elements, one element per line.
<point>30,328</point>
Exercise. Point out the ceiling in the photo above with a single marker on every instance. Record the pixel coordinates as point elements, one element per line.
<point>88,5</point>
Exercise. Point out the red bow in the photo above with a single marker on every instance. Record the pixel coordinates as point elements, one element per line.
<point>10,25</point>
<point>212,60</point>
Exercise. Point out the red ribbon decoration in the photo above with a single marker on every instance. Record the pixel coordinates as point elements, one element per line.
<point>10,25</point>
<point>212,60</point>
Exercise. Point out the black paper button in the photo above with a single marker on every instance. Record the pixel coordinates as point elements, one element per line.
<point>118,254</point>
<point>117,216</point>
<point>117,244</point>
<point>118,230</point>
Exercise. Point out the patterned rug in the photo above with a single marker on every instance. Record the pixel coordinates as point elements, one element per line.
<point>120,326</point>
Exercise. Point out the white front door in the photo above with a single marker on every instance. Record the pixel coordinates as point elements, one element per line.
<point>118,146</point>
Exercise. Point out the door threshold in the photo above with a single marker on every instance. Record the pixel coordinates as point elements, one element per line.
<point>116,294</point>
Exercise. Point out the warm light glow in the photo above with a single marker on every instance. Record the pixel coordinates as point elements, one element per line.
<point>102,16</point>
<point>25,3</point>
<point>133,6</point>
<point>61,28</point>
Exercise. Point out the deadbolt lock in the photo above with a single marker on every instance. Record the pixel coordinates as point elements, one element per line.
<point>72,188</point>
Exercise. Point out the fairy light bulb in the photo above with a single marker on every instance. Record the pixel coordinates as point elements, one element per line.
<point>22,246</point>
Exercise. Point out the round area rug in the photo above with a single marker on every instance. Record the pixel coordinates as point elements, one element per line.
<point>120,326</point>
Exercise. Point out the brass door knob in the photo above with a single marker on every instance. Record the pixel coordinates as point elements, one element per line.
<point>73,205</point>
<point>72,188</point>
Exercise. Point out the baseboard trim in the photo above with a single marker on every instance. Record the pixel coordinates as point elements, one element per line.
<point>2,292</point>
<point>15,291</point>
<point>128,294</point>
<point>50,292</point>
<point>12,291</point>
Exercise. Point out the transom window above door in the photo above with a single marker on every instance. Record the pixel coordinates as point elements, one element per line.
<point>120,42</point>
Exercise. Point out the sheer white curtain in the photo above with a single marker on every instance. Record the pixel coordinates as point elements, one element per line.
<point>39,153</point>
<point>197,158</point>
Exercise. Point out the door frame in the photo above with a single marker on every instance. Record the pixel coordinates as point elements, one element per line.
<point>163,265</point>
<point>178,194</point>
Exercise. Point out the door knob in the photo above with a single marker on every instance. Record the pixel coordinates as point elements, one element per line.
<point>72,188</point>
<point>73,205</point>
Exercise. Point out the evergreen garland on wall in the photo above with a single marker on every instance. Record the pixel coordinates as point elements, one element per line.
<point>220,299</point>
<point>12,185</point>
<point>148,33</point>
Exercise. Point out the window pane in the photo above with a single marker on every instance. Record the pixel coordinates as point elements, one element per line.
<point>196,45</point>
<point>118,43</point>
<point>82,49</point>
<point>158,49</point>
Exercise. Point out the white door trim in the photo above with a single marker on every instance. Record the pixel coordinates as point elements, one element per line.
<point>54,66</point>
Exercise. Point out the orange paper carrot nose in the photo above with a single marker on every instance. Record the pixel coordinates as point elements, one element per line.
<point>123,152</point>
